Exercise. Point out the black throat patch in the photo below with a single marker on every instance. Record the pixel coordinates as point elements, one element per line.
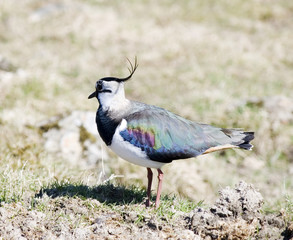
<point>106,125</point>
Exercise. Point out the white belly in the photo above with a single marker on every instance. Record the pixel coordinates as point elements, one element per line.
<point>129,152</point>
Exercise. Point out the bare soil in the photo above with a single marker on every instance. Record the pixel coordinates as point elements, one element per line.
<point>236,214</point>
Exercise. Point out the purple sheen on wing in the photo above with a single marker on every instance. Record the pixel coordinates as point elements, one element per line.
<point>142,137</point>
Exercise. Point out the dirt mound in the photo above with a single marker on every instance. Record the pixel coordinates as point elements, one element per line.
<point>237,215</point>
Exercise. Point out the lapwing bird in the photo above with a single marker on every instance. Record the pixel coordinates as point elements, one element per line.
<point>151,136</point>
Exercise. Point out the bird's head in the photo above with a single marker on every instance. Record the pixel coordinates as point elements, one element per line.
<point>110,89</point>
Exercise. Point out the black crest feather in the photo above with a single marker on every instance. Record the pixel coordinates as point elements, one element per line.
<point>131,69</point>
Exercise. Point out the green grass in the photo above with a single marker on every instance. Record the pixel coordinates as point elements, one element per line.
<point>281,208</point>
<point>289,208</point>
<point>115,195</point>
<point>34,191</point>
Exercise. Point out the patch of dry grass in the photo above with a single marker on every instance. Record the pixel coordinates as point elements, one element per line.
<point>200,59</point>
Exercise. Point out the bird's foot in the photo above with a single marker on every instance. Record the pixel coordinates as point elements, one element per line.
<point>148,203</point>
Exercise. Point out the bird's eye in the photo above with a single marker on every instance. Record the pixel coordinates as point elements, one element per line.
<point>99,86</point>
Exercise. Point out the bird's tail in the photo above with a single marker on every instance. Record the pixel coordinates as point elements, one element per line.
<point>232,138</point>
<point>238,138</point>
<point>248,136</point>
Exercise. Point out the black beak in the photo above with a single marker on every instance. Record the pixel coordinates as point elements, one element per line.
<point>94,94</point>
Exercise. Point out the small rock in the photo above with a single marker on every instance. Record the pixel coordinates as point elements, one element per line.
<point>100,220</point>
<point>188,234</point>
<point>3,212</point>
<point>5,65</point>
<point>95,202</point>
<point>46,11</point>
<point>147,217</point>
<point>81,233</point>
<point>132,216</point>
<point>74,137</point>
<point>70,146</point>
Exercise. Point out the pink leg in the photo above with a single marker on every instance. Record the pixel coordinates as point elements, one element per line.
<point>150,179</point>
<point>160,178</point>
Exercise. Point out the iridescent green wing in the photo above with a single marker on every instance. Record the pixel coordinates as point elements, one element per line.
<point>164,136</point>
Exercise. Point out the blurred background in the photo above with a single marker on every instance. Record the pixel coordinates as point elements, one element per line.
<point>226,63</point>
